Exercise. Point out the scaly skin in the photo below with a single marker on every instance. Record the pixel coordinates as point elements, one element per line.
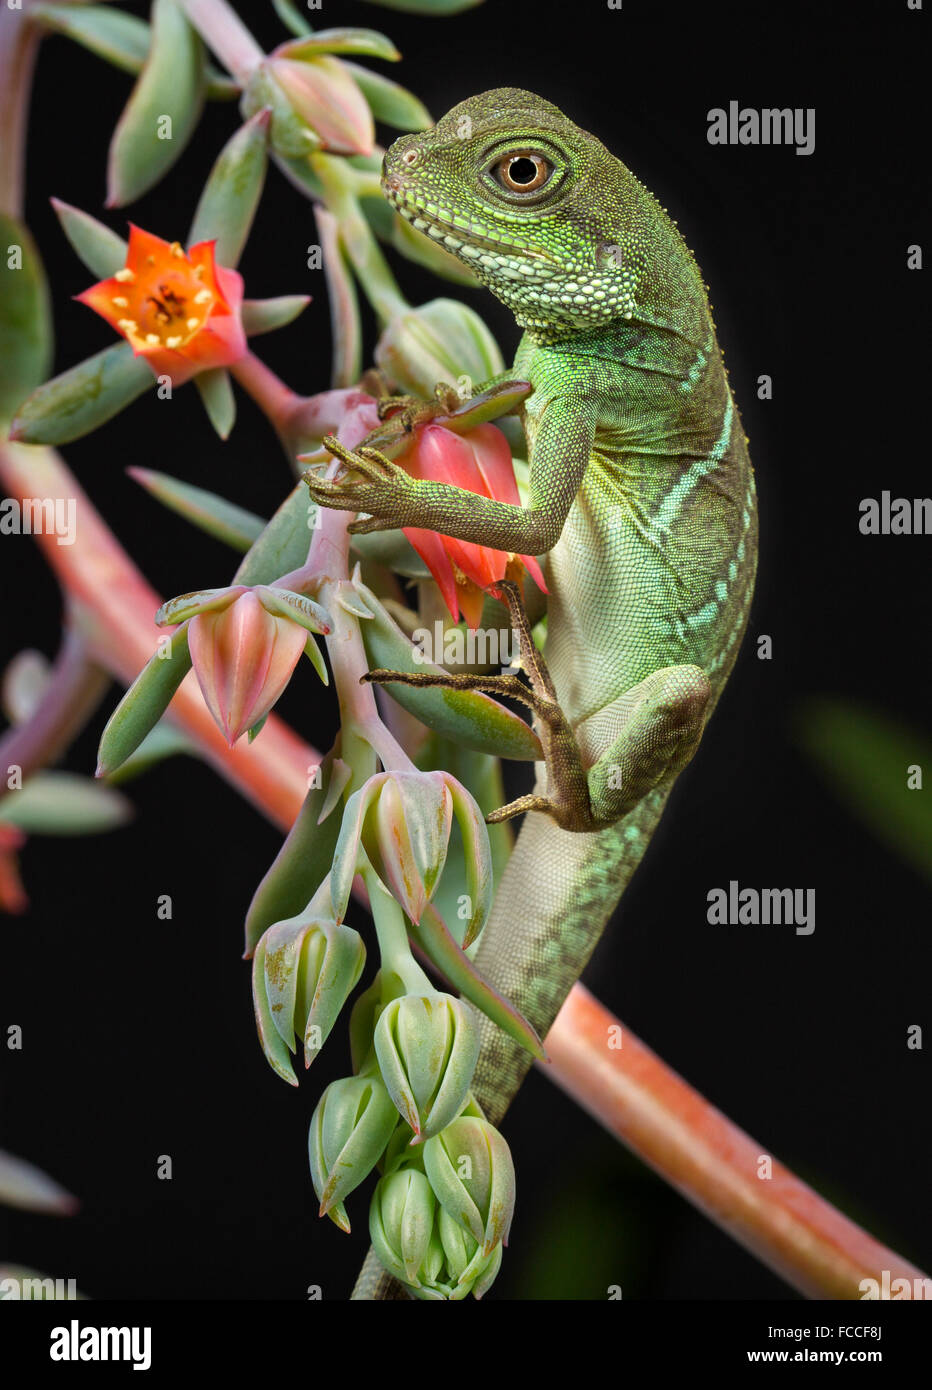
<point>641,492</point>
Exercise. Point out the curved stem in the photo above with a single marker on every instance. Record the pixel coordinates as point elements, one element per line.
<point>19,42</point>
<point>76,688</point>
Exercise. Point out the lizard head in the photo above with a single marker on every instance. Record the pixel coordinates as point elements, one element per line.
<point>548,219</point>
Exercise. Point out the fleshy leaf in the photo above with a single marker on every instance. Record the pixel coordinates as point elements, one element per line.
<point>64,803</point>
<point>389,101</point>
<point>284,542</point>
<point>216,392</point>
<point>231,195</point>
<point>170,86</point>
<point>273,1045</point>
<point>83,398</point>
<point>233,525</point>
<point>300,866</point>
<point>25,316</point>
<point>464,715</point>
<point>101,250</point>
<point>144,703</point>
<point>441,948</point>
<point>265,315</point>
<point>365,42</point>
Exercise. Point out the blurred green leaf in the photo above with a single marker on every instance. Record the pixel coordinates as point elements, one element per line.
<point>227,206</point>
<point>25,316</point>
<point>145,702</point>
<point>64,803</point>
<point>866,756</point>
<point>25,1186</point>
<point>170,86</point>
<point>216,392</point>
<point>284,543</point>
<point>83,398</point>
<point>389,101</point>
<point>226,521</point>
<point>101,250</point>
<point>265,315</point>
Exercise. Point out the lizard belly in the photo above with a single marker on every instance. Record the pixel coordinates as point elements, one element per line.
<point>627,598</point>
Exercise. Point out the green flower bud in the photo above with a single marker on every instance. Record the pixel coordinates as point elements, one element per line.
<point>468,1268</point>
<point>470,1170</point>
<point>401,1227</point>
<point>422,1246</point>
<point>427,1048</point>
<point>442,341</point>
<point>350,1128</point>
<point>304,970</point>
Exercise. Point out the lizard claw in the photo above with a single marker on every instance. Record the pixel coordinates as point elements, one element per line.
<point>382,489</point>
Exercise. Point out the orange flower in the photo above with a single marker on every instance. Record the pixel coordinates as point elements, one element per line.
<point>480,462</point>
<point>178,310</point>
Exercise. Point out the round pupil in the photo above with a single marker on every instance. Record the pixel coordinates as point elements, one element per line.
<point>522,170</point>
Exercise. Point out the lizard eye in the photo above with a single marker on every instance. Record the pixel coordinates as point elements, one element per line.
<point>523,173</point>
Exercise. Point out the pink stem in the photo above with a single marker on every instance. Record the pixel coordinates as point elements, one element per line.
<point>223,31</point>
<point>75,690</point>
<point>715,1165</point>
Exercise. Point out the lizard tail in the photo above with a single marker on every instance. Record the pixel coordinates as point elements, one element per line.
<point>557,893</point>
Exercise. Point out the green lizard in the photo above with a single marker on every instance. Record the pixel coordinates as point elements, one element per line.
<point>641,497</point>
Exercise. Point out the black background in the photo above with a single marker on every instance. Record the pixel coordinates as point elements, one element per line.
<point>139,1039</point>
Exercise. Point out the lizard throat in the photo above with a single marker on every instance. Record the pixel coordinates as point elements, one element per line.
<point>548,298</point>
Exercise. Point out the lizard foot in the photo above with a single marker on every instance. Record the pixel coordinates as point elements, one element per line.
<point>568,803</point>
<point>384,491</point>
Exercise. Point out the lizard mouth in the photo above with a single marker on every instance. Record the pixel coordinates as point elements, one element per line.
<point>470,241</point>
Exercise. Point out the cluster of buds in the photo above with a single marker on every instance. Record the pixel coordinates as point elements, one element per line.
<point>440,1228</point>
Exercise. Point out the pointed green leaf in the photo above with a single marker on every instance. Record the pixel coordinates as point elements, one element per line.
<point>25,316</point>
<point>170,88</point>
<point>265,315</point>
<point>231,195</point>
<point>101,250</point>
<point>64,803</point>
<point>163,742</point>
<point>216,391</point>
<point>145,702</point>
<point>83,398</point>
<point>366,42</point>
<point>284,543</point>
<point>442,950</point>
<point>300,866</point>
<point>118,38</point>
<point>465,715</point>
<point>233,525</point>
<point>389,101</point>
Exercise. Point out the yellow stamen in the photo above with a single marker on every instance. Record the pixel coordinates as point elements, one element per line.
<point>153,339</point>
<point>198,272</point>
<point>176,249</point>
<point>125,275</point>
<point>128,325</point>
<point>172,342</point>
<point>120,302</point>
<point>203,296</point>
<point>193,323</point>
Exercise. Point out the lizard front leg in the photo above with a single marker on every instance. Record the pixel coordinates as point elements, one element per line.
<point>391,498</point>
